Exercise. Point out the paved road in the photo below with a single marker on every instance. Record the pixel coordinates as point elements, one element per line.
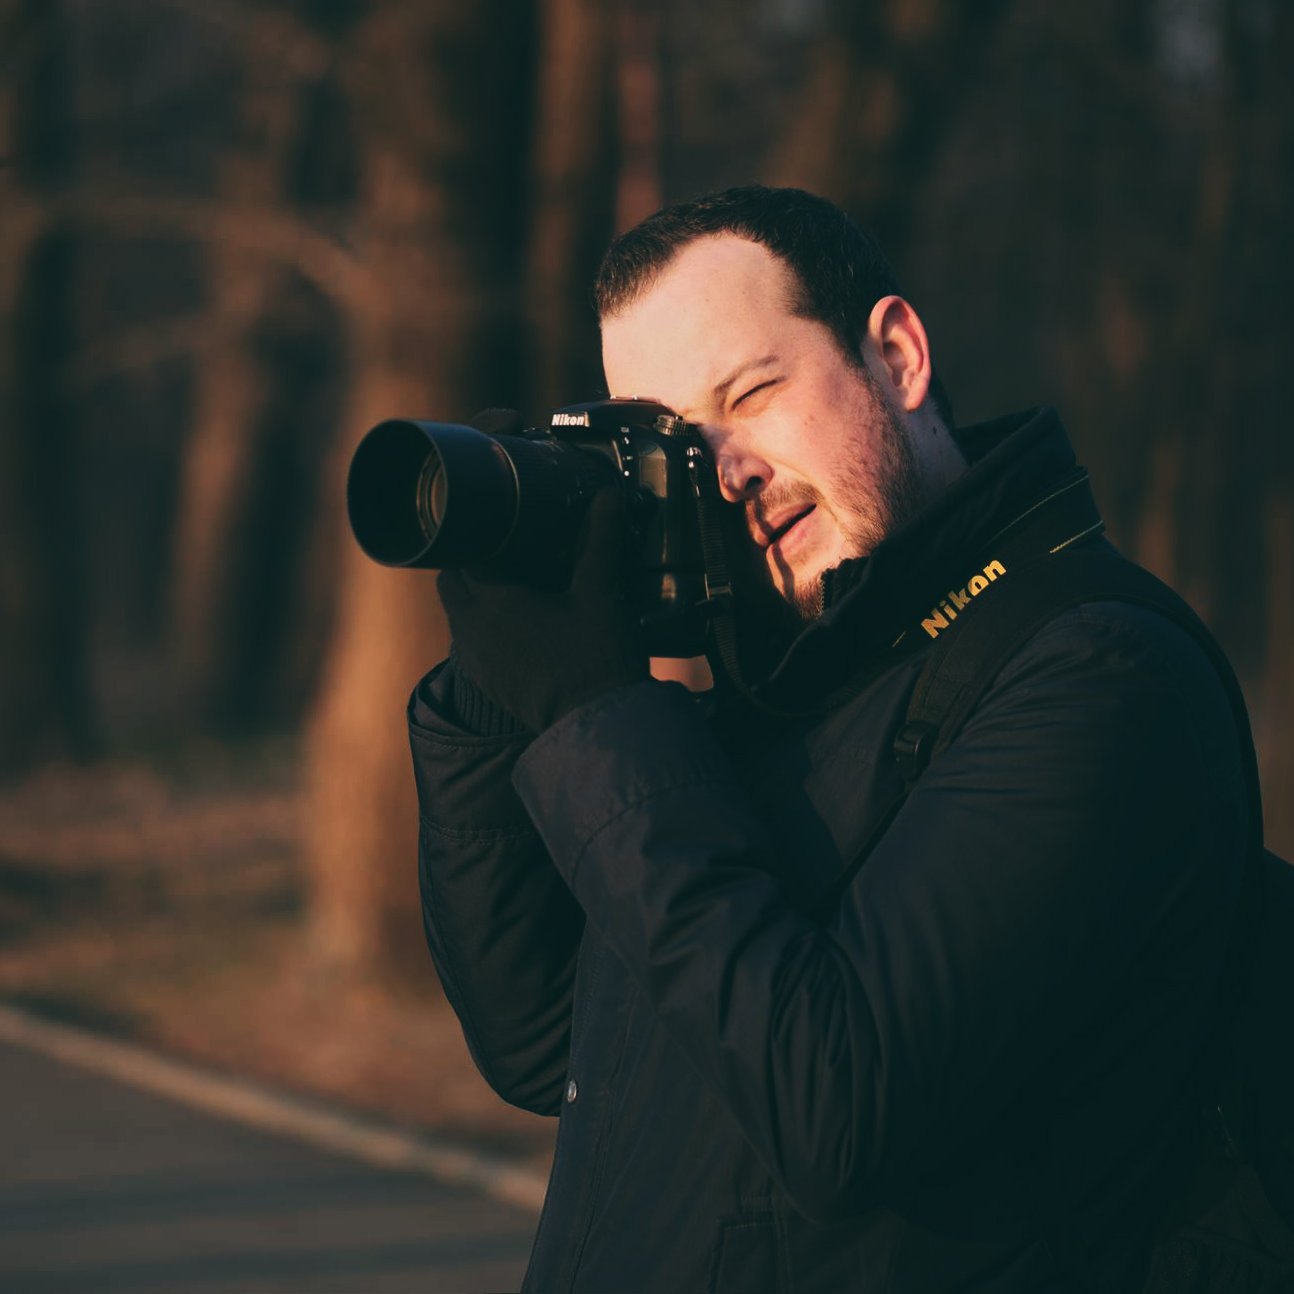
<point>109,1190</point>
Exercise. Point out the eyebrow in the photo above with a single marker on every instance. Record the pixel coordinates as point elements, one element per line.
<point>746,366</point>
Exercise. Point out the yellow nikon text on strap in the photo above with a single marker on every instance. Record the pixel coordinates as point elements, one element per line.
<point>945,613</point>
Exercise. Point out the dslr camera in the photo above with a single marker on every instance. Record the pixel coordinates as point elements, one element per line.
<point>438,494</point>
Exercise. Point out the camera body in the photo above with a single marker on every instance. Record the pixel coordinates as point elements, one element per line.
<point>510,507</point>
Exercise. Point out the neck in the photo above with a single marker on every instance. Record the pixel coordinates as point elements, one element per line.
<point>939,459</point>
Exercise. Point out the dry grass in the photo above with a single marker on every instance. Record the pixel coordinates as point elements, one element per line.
<point>168,907</point>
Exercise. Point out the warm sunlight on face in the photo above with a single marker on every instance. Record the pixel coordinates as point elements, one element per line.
<point>802,435</point>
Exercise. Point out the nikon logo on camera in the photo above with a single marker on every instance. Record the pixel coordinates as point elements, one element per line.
<point>945,613</point>
<point>570,420</point>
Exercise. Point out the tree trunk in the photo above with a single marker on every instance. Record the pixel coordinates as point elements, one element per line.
<point>218,478</point>
<point>887,80</point>
<point>45,704</point>
<point>638,59</point>
<point>444,149</point>
<point>572,200</point>
<point>219,457</point>
<point>21,591</point>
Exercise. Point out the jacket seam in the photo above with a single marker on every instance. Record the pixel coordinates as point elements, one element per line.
<point>467,740</point>
<point>655,794</point>
<point>483,834</point>
<point>488,1065</point>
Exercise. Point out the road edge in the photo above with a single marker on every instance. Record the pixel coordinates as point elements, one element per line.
<point>256,1105</point>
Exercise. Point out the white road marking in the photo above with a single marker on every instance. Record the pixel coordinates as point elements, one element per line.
<point>247,1102</point>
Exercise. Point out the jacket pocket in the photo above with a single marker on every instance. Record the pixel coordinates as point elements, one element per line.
<point>749,1258</point>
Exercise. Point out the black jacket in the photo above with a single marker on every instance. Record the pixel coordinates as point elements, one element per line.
<point>981,1072</point>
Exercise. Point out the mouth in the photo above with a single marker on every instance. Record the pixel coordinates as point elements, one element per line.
<point>778,533</point>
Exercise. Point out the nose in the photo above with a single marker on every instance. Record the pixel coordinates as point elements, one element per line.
<point>742,472</point>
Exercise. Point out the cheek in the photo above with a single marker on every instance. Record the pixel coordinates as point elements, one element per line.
<point>837,473</point>
<point>803,440</point>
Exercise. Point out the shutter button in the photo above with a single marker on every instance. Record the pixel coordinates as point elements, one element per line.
<point>572,1090</point>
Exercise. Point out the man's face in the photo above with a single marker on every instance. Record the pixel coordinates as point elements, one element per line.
<point>803,436</point>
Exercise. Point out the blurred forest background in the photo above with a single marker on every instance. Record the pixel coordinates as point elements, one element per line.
<point>235,235</point>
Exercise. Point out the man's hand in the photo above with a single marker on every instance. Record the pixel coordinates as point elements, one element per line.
<point>540,653</point>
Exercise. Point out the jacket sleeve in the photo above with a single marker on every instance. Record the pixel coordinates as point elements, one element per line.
<point>1087,816</point>
<point>501,924</point>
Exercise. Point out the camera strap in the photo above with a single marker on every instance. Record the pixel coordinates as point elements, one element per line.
<point>720,602</point>
<point>1050,525</point>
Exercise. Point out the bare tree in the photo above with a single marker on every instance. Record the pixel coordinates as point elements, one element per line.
<point>45,708</point>
<point>280,59</point>
<point>572,197</point>
<point>440,225</point>
<point>887,80</point>
<point>638,60</point>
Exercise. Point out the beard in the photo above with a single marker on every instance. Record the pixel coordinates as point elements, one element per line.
<point>869,499</point>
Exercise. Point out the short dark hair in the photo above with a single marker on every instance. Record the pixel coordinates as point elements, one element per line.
<point>839,270</point>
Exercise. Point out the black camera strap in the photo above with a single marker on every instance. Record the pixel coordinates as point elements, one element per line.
<point>720,601</point>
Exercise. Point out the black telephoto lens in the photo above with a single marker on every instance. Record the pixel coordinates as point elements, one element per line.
<point>431,494</point>
<point>437,495</point>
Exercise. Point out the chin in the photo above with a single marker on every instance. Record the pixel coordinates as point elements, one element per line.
<point>806,598</point>
<point>800,589</point>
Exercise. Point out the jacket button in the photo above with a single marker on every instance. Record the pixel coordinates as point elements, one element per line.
<point>572,1090</point>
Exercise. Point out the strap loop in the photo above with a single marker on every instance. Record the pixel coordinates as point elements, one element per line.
<point>913,747</point>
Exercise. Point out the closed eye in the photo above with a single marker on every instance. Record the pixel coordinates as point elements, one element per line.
<point>754,390</point>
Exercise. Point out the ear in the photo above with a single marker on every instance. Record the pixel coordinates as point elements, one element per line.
<point>899,351</point>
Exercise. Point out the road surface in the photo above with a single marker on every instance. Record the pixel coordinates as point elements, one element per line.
<point>105,1189</point>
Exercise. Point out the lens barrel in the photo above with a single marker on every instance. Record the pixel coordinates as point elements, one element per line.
<point>438,495</point>
<point>431,494</point>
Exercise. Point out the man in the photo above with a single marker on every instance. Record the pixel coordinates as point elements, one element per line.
<point>981,1068</point>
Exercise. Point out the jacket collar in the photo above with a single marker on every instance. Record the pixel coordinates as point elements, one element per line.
<point>869,602</point>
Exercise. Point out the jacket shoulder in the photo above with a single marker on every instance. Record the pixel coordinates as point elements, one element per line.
<point>1117,640</point>
<point>1127,675</point>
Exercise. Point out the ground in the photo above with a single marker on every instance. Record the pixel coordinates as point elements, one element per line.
<point>165,901</point>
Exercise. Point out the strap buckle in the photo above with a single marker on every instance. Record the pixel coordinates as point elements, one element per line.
<point>913,746</point>
<point>719,594</point>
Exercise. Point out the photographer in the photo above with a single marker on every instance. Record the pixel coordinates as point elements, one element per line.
<point>979,1065</point>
